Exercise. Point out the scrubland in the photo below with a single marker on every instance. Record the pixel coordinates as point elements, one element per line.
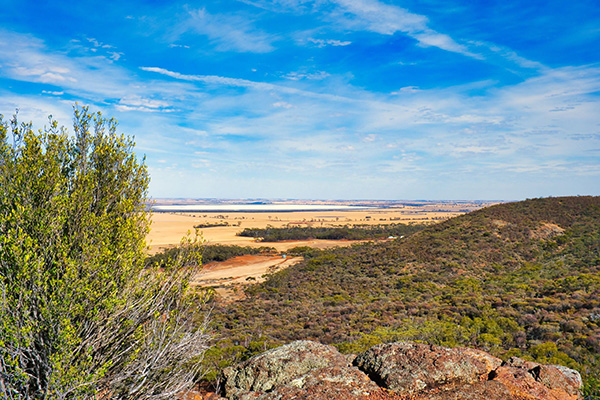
<point>513,279</point>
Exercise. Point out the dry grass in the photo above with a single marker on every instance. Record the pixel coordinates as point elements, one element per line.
<point>229,276</point>
<point>169,228</point>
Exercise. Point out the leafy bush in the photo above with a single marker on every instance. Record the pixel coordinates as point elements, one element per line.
<point>81,316</point>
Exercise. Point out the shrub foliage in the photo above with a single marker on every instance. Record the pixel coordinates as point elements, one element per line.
<point>80,315</point>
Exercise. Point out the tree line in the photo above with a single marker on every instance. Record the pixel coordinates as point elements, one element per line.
<point>346,232</point>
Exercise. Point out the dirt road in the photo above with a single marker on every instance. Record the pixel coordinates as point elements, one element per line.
<point>229,276</point>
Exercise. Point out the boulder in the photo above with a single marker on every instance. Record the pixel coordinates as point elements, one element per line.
<point>396,371</point>
<point>530,380</point>
<point>335,383</point>
<point>301,369</point>
<point>485,390</point>
<point>407,367</point>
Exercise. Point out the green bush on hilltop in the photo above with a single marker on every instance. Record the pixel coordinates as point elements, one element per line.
<point>81,317</point>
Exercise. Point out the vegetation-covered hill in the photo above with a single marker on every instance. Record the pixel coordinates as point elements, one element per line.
<point>513,279</point>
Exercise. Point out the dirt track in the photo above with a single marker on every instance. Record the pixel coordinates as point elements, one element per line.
<point>229,276</point>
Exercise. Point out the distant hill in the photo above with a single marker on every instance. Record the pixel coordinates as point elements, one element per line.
<point>513,279</point>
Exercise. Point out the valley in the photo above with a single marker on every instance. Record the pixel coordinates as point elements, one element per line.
<point>515,279</point>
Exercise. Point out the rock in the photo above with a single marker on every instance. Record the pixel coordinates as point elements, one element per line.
<point>336,383</point>
<point>300,369</point>
<point>531,380</point>
<point>490,362</point>
<point>281,365</point>
<point>485,390</point>
<point>396,371</point>
<point>406,367</point>
<point>573,378</point>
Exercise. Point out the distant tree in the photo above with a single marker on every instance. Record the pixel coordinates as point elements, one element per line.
<point>81,317</point>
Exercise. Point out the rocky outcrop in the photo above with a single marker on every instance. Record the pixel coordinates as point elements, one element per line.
<point>301,369</point>
<point>535,381</point>
<point>403,370</point>
<point>412,367</point>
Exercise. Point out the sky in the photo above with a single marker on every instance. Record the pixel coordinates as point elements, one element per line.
<point>324,99</point>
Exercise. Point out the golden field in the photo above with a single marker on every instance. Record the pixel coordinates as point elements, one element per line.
<point>228,277</point>
<point>169,227</point>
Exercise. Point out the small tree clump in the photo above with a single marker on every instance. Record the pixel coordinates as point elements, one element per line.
<point>81,317</point>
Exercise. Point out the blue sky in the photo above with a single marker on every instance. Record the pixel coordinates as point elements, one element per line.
<point>336,99</point>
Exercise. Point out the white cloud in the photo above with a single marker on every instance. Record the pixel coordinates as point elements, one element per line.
<point>245,83</point>
<point>40,71</point>
<point>96,43</point>
<point>493,51</point>
<point>429,37</point>
<point>115,55</point>
<point>137,103</point>
<point>227,32</point>
<point>387,19</point>
<point>329,42</point>
<point>54,93</point>
<point>97,48</point>
<point>25,58</point>
<point>282,104</point>
<point>370,137</point>
<point>406,89</point>
<point>370,15</point>
<point>319,75</point>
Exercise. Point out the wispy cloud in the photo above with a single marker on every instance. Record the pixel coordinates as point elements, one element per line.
<point>245,83</point>
<point>22,59</point>
<point>405,90</point>
<point>369,15</point>
<point>53,92</point>
<point>329,42</point>
<point>308,98</point>
<point>296,75</point>
<point>25,58</point>
<point>227,32</point>
<point>137,103</point>
<point>386,19</point>
<point>97,48</point>
<point>282,104</point>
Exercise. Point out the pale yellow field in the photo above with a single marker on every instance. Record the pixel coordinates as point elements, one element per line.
<point>168,228</point>
<point>228,277</point>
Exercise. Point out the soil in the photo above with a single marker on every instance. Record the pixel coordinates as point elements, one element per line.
<point>228,277</point>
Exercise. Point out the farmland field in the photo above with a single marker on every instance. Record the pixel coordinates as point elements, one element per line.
<point>221,225</point>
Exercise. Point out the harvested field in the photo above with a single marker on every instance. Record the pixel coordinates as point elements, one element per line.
<point>229,276</point>
<point>169,228</point>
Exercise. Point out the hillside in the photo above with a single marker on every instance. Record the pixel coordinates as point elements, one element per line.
<point>513,279</point>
